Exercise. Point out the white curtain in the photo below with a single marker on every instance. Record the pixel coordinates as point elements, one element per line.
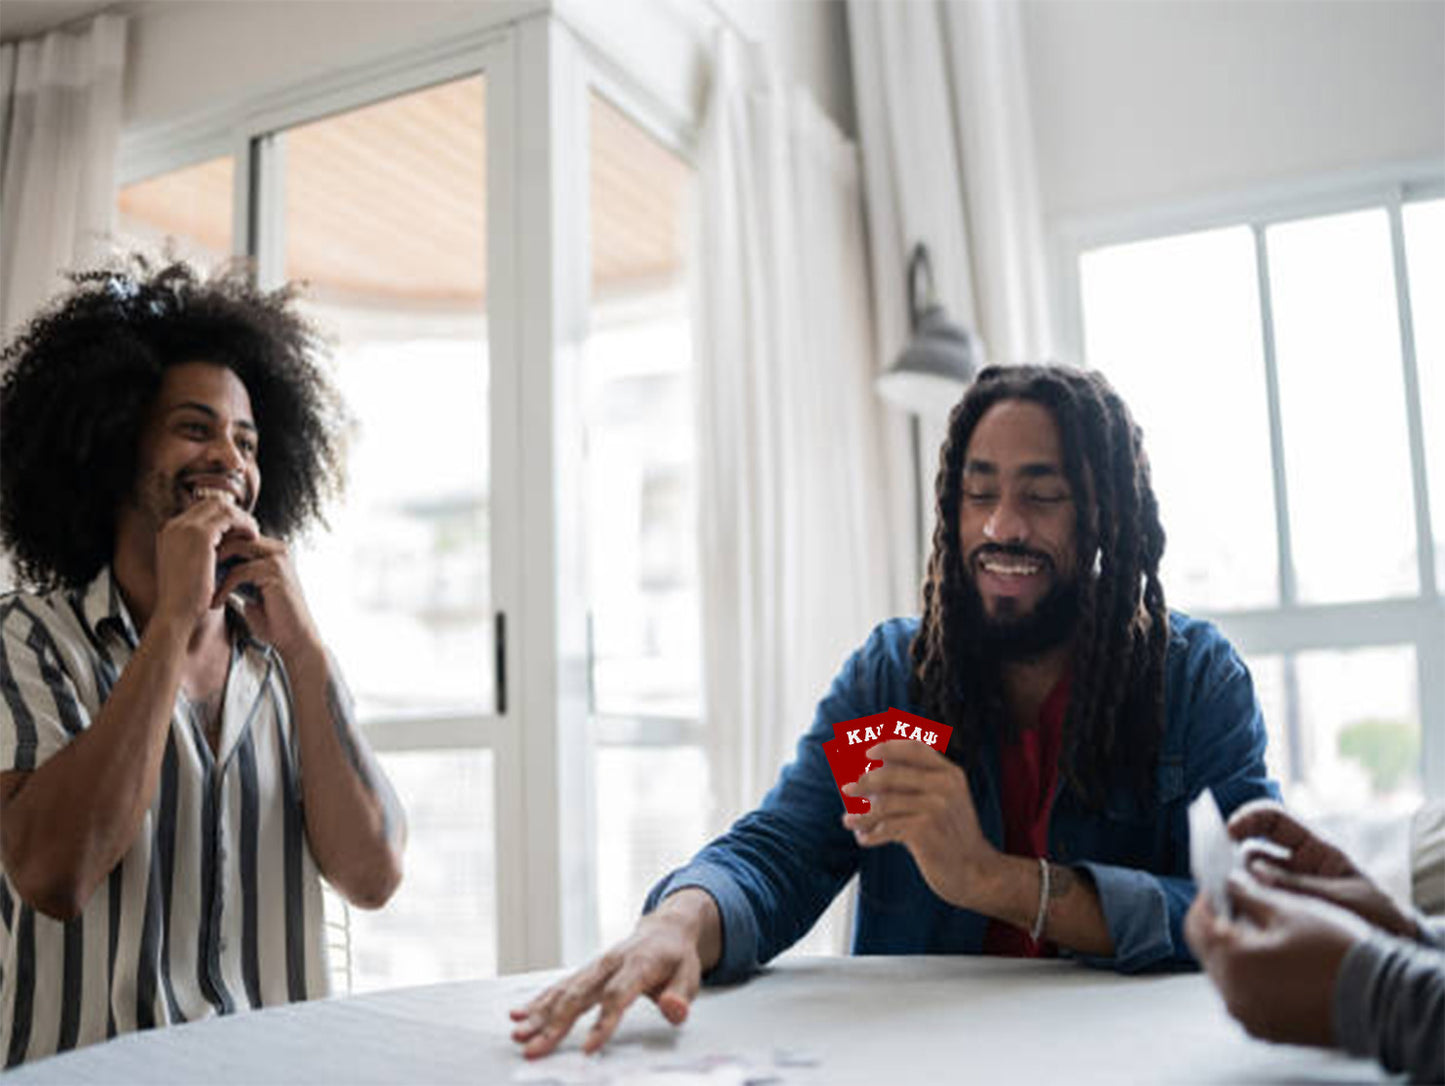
<point>60,112</point>
<point>796,546</point>
<point>948,155</point>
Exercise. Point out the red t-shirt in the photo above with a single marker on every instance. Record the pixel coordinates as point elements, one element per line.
<point>1028,770</point>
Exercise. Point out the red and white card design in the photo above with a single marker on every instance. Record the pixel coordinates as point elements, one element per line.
<point>852,738</point>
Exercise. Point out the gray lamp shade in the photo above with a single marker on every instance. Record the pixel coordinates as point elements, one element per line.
<point>935,368</point>
<point>942,357</point>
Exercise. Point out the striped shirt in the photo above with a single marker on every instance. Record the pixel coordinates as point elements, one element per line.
<point>217,906</point>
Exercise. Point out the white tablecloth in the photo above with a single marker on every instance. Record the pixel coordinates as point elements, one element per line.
<point>825,1020</point>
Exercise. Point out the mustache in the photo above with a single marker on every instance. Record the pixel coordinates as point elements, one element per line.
<point>237,478</point>
<point>1008,550</point>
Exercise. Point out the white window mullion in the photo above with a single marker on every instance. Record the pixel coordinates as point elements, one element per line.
<point>1430,648</point>
<point>261,220</point>
<point>1288,589</point>
<point>1414,412</point>
<point>551,686</point>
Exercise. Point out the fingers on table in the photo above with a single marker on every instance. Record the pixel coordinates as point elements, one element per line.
<point>549,1017</point>
<point>671,984</point>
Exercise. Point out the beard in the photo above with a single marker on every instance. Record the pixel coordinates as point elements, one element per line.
<point>1020,636</point>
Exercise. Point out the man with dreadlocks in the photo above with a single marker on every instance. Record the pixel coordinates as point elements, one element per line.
<point>178,758</point>
<point>1085,718</point>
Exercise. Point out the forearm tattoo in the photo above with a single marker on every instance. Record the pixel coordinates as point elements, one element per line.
<point>1061,880</point>
<point>339,705</point>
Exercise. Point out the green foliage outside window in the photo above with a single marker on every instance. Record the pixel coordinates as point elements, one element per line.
<point>1388,751</point>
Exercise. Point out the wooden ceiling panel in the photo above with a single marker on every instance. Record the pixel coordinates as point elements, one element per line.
<point>389,201</point>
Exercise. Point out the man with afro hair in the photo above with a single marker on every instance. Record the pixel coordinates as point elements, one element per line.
<point>179,761</point>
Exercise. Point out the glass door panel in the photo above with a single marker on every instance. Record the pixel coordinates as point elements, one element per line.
<point>383,215</point>
<point>640,495</point>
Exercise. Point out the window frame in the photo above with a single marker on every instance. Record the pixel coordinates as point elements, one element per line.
<point>541,59</point>
<point>1292,627</point>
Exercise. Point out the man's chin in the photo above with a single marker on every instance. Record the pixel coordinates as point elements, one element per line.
<point>1014,630</point>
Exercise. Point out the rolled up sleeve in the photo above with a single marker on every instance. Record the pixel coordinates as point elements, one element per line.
<point>739,927</point>
<point>1145,916</point>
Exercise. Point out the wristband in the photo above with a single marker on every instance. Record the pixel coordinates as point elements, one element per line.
<point>1043,914</point>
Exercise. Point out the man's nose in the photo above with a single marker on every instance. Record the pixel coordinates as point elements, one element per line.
<point>225,454</point>
<point>1006,524</point>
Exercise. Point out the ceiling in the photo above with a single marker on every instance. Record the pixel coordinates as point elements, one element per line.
<point>27,18</point>
<point>388,202</point>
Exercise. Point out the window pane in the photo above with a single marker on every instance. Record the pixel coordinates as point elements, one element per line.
<point>1360,711</point>
<point>1268,675</point>
<point>1425,254</point>
<point>442,923</point>
<point>651,817</point>
<point>640,502</point>
<point>191,209</point>
<point>1342,400</point>
<point>641,488</point>
<point>1174,325</point>
<point>385,222</point>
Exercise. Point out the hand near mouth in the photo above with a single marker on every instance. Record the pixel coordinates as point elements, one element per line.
<point>187,550</point>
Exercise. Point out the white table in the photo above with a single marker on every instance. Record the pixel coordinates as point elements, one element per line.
<point>865,1020</point>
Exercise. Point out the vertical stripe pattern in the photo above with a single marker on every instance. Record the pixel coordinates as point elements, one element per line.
<point>207,913</point>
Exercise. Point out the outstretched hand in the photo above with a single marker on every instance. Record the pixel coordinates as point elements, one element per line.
<point>660,960</point>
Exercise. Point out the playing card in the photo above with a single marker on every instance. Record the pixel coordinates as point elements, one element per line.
<point>861,731</point>
<point>1212,855</point>
<point>918,728</point>
<point>865,731</point>
<point>848,764</point>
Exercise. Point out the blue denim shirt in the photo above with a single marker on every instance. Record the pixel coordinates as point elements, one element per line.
<point>776,870</point>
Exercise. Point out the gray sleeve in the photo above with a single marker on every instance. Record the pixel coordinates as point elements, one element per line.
<point>1390,1006</point>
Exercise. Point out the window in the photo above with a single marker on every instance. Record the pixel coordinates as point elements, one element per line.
<point>189,209</point>
<point>640,492</point>
<point>383,216</point>
<point>518,620</point>
<point>1286,371</point>
<point>1424,227</point>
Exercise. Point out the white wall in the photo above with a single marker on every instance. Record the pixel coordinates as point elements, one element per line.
<point>1147,103</point>
<point>189,57</point>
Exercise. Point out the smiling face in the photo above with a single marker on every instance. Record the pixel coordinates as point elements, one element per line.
<point>200,438</point>
<point>1017,525</point>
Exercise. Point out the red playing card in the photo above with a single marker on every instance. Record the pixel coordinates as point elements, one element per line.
<point>848,764</point>
<point>903,725</point>
<point>865,732</point>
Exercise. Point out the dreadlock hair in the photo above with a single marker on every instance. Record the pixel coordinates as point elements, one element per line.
<point>1116,706</point>
<point>80,378</point>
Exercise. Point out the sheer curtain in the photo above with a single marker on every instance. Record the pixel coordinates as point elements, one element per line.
<point>948,155</point>
<point>60,112</point>
<point>796,546</point>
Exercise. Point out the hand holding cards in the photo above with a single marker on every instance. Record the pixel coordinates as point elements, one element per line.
<point>846,751</point>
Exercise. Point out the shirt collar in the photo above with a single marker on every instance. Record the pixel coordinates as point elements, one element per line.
<point>105,610</point>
